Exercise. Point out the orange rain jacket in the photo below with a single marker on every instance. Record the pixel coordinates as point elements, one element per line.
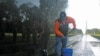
<point>57,26</point>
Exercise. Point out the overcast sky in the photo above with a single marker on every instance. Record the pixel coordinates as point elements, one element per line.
<point>85,10</point>
<point>33,2</point>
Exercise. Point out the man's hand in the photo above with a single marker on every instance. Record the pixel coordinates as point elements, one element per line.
<point>72,30</point>
<point>38,35</point>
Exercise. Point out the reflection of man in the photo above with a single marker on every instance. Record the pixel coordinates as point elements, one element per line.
<point>61,31</point>
<point>42,33</point>
<point>44,37</point>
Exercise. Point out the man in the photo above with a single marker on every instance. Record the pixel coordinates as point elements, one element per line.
<point>61,31</point>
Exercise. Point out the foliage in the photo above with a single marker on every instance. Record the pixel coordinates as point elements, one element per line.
<point>48,10</point>
<point>93,31</point>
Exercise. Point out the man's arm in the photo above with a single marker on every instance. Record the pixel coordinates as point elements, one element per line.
<point>71,20</point>
<point>56,29</point>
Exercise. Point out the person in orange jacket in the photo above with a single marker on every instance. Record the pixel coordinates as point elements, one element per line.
<point>61,32</point>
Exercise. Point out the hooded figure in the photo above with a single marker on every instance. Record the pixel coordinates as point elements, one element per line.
<point>63,23</point>
<point>61,32</point>
<point>62,16</point>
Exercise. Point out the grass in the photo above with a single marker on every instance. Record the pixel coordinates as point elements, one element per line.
<point>68,34</point>
<point>20,34</point>
<point>95,35</point>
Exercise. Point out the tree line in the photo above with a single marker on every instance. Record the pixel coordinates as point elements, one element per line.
<point>21,19</point>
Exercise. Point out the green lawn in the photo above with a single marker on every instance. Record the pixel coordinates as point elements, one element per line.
<point>96,35</point>
<point>68,34</point>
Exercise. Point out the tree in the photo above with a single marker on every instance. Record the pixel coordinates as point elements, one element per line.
<point>50,10</point>
<point>93,31</point>
<point>9,18</point>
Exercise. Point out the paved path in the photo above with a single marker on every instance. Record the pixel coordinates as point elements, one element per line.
<point>85,47</point>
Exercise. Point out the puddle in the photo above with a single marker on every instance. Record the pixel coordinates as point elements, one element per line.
<point>95,44</point>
